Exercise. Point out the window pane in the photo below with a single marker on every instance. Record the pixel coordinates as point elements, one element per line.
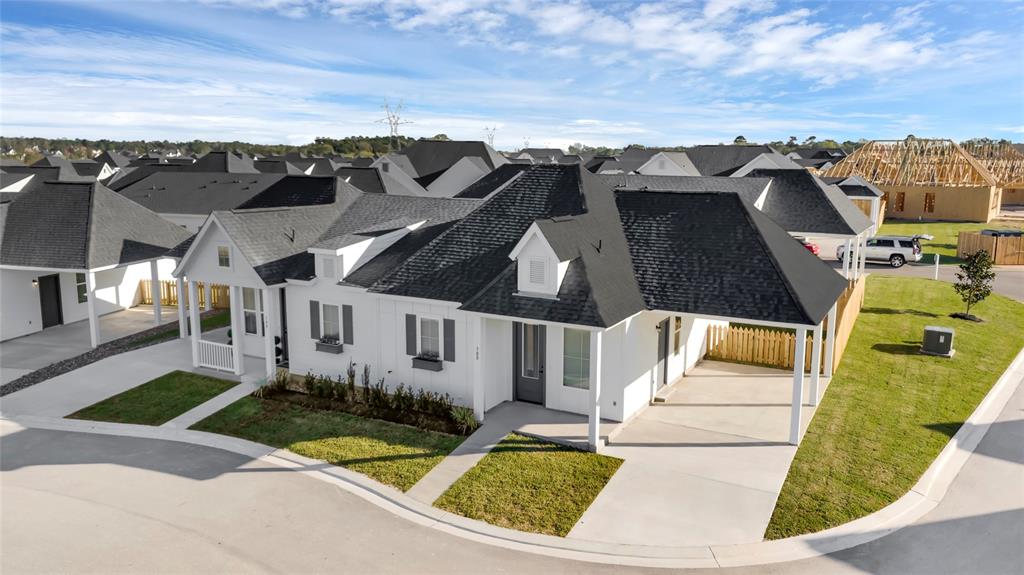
<point>249,299</point>
<point>251,327</point>
<point>223,256</point>
<point>430,337</point>
<point>79,278</point>
<point>576,358</point>
<point>83,295</point>
<point>531,359</point>
<point>331,327</point>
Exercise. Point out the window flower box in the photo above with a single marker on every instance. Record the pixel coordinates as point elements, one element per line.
<point>427,363</point>
<point>329,346</point>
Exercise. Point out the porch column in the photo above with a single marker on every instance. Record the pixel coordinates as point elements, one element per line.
<point>208,295</point>
<point>855,260</point>
<point>830,341</point>
<point>477,338</point>
<point>94,320</point>
<point>155,292</point>
<point>269,330</point>
<point>182,302</point>
<point>847,256</point>
<point>193,316</point>
<point>798,387</point>
<point>815,364</point>
<point>594,422</point>
<point>237,329</point>
<point>863,255</point>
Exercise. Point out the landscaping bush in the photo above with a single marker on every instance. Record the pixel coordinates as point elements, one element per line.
<point>377,395</point>
<point>403,399</point>
<point>434,403</point>
<point>339,390</point>
<point>465,420</point>
<point>350,375</point>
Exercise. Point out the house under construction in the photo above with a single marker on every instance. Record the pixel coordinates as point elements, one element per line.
<point>1006,164</point>
<point>925,179</point>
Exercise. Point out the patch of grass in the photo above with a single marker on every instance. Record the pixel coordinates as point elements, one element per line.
<point>530,485</point>
<point>945,234</point>
<point>158,401</point>
<point>394,454</point>
<point>889,411</point>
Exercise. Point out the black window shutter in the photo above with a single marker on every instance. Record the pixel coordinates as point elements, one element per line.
<point>449,340</point>
<point>410,334</point>
<point>314,319</point>
<point>346,323</point>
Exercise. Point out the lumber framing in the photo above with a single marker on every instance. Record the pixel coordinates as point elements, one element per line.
<point>1003,161</point>
<point>915,162</point>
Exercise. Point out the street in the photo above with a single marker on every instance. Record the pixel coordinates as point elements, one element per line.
<point>92,503</point>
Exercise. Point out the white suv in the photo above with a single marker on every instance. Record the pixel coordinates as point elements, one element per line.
<point>896,250</point>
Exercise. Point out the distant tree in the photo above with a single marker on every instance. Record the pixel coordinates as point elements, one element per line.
<point>974,280</point>
<point>792,141</point>
<point>441,138</point>
<point>810,140</point>
<point>739,140</point>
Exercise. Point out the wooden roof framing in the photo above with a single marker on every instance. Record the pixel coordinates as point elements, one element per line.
<point>914,162</point>
<point>1003,161</point>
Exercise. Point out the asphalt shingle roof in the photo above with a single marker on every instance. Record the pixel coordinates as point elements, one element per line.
<point>198,193</point>
<point>801,203</point>
<point>82,226</point>
<point>723,160</point>
<point>748,188</point>
<point>492,181</point>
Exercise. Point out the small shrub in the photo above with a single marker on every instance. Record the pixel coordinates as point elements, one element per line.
<point>350,375</point>
<point>403,399</point>
<point>309,383</point>
<point>464,419</point>
<point>433,403</point>
<point>366,382</point>
<point>339,390</point>
<point>377,396</point>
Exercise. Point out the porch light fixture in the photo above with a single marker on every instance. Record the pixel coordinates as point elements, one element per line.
<point>35,282</point>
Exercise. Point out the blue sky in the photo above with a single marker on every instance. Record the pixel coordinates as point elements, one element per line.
<point>601,73</point>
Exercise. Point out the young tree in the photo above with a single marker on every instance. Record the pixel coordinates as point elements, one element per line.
<point>974,280</point>
<point>739,140</point>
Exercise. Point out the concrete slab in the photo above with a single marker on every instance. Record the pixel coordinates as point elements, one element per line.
<point>28,353</point>
<point>204,410</point>
<point>703,468</point>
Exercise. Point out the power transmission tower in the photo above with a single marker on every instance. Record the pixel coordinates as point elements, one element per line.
<point>393,118</point>
<point>490,135</point>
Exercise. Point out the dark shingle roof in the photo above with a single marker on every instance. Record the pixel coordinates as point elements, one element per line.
<point>82,226</point>
<point>294,191</point>
<point>748,188</point>
<point>723,160</point>
<point>855,186</point>
<point>178,192</point>
<point>680,243</point>
<point>486,185</point>
<point>429,158</point>
<point>364,178</point>
<point>801,203</point>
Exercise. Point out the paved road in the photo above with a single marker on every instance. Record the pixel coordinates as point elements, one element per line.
<point>91,503</point>
<point>1009,279</point>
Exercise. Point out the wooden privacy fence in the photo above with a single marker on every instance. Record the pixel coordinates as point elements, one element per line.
<point>1005,250</point>
<point>169,294</point>
<point>777,348</point>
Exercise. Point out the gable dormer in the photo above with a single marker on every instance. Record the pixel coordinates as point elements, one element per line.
<point>540,262</point>
<point>338,257</point>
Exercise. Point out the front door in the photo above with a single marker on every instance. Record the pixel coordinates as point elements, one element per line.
<point>49,300</point>
<point>528,362</point>
<point>663,333</point>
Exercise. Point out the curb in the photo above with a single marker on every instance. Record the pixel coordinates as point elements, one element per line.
<point>922,498</point>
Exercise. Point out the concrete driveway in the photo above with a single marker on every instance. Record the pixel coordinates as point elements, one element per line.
<point>28,353</point>
<point>703,468</point>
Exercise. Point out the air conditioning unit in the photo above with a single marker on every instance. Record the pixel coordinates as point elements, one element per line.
<point>938,341</point>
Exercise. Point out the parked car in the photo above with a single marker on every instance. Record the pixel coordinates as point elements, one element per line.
<point>811,247</point>
<point>896,250</point>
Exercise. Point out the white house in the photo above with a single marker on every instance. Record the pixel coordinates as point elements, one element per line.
<point>558,289</point>
<point>76,251</point>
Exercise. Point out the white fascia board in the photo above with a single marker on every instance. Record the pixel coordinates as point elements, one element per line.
<point>821,235</point>
<point>178,271</point>
<point>737,319</point>
<point>589,328</point>
<point>38,269</point>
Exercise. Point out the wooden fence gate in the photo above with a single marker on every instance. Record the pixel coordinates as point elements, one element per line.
<point>169,294</point>
<point>773,347</point>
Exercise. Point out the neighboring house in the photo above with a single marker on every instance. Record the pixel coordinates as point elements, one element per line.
<point>766,161</point>
<point>725,159</point>
<point>649,163</point>
<point>809,153</point>
<point>493,181</point>
<point>540,155</point>
<point>865,195</point>
<point>1006,164</point>
<point>750,189</point>
<point>557,289</point>
<point>188,198</point>
<point>925,179</point>
<point>74,251</point>
<point>440,168</point>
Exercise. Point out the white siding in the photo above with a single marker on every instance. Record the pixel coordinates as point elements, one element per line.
<point>19,304</point>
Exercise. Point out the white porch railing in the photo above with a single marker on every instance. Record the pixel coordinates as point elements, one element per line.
<point>216,355</point>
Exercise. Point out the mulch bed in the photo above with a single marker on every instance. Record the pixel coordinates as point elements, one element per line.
<point>104,350</point>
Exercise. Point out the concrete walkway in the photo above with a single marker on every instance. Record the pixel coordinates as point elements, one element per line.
<point>704,468</point>
<point>204,410</point>
<point>508,417</point>
<point>28,353</point>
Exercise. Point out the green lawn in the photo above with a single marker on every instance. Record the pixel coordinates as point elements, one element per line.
<point>216,319</point>
<point>889,411</point>
<point>157,402</point>
<point>945,234</point>
<point>530,485</point>
<point>394,454</point>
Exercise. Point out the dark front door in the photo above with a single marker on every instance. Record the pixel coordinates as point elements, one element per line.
<point>663,334</point>
<point>284,329</point>
<point>528,362</point>
<point>49,300</point>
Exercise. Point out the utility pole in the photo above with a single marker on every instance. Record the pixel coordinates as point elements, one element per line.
<point>490,135</point>
<point>393,118</point>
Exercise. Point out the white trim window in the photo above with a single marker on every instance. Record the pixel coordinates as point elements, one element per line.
<point>252,313</point>
<point>677,334</point>
<point>576,358</point>
<point>330,322</point>
<point>429,337</point>
<point>82,288</point>
<point>224,256</point>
